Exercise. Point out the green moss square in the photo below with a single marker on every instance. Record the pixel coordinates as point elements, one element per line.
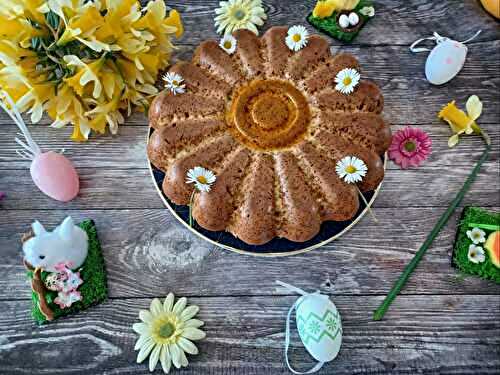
<point>330,27</point>
<point>93,273</point>
<point>485,270</point>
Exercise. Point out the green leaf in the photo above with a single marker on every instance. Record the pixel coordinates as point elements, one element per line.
<point>52,20</point>
<point>400,283</point>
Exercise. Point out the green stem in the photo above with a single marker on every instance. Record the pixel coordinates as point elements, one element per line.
<point>400,283</point>
<point>367,205</point>
<point>484,226</point>
<point>191,208</point>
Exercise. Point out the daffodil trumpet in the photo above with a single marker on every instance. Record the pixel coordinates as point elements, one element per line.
<point>464,123</point>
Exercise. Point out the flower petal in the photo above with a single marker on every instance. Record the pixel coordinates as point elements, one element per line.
<point>193,333</point>
<point>145,350</point>
<point>474,107</point>
<point>156,308</point>
<point>165,359</point>
<point>189,312</point>
<point>145,316</point>
<point>140,328</point>
<point>154,357</point>
<point>184,361</point>
<point>187,346</point>
<point>452,142</point>
<point>175,352</point>
<point>194,323</point>
<point>179,306</point>
<point>168,303</point>
<point>142,341</point>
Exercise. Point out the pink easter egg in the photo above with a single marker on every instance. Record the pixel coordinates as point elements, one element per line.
<point>55,176</point>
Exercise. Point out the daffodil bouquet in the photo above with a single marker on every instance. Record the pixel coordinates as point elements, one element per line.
<point>85,63</point>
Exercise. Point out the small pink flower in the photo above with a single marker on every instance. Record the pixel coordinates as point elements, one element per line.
<point>64,300</point>
<point>410,147</point>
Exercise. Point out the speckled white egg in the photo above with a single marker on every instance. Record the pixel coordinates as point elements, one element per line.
<point>344,21</point>
<point>320,326</point>
<point>353,19</point>
<point>445,61</point>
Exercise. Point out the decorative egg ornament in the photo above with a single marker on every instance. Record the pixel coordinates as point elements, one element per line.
<point>319,325</point>
<point>446,59</point>
<point>51,172</point>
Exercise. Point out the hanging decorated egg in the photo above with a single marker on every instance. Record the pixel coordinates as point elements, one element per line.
<point>445,61</point>
<point>320,326</point>
<point>51,172</point>
<point>55,176</point>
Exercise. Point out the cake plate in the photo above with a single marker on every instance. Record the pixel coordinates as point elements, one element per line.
<point>277,247</point>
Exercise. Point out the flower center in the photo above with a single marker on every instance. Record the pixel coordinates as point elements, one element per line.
<point>227,45</point>
<point>347,81</point>
<point>473,254</point>
<point>166,330</point>
<point>410,146</point>
<point>239,14</point>
<point>351,169</point>
<point>202,179</point>
<point>297,38</point>
<point>175,82</point>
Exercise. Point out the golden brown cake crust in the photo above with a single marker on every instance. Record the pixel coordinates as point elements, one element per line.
<point>269,123</point>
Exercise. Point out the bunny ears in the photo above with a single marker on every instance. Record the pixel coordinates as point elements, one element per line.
<point>64,230</point>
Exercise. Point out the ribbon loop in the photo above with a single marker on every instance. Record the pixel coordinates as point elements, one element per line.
<point>304,294</point>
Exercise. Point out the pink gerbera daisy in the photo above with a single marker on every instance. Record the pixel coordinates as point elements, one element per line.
<point>410,147</point>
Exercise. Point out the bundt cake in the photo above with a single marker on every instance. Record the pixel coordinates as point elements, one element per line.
<point>271,126</point>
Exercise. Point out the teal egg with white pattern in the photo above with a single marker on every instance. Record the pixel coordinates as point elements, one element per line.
<point>320,326</point>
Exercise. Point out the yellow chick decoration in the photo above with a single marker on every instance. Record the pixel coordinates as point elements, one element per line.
<point>324,8</point>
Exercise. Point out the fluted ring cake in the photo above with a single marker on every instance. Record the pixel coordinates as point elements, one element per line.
<point>271,125</point>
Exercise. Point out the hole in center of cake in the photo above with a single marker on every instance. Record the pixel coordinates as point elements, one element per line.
<point>268,115</point>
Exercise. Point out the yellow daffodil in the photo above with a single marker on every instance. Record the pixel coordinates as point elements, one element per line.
<point>87,73</point>
<point>86,63</point>
<point>324,8</point>
<point>460,122</point>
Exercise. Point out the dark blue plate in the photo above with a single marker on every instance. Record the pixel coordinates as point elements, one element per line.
<point>330,230</point>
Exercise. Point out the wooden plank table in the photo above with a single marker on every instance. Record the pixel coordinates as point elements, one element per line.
<point>442,323</point>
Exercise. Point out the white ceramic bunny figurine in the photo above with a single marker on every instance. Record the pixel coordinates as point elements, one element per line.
<point>67,244</point>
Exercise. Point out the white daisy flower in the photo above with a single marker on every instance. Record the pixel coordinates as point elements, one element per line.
<point>239,14</point>
<point>174,83</point>
<point>228,44</point>
<point>351,169</point>
<point>476,254</point>
<point>367,11</point>
<point>297,38</point>
<point>347,79</point>
<point>201,178</point>
<point>166,333</point>
<point>476,235</point>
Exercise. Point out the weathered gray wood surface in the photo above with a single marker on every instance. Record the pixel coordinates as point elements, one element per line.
<point>443,323</point>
